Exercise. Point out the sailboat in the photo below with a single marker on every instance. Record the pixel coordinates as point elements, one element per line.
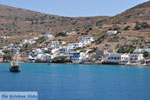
<point>14,66</point>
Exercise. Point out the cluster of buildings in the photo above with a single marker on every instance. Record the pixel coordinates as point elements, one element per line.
<point>60,48</point>
<point>73,51</point>
<point>136,57</point>
<point>29,41</point>
<point>4,37</point>
<point>12,48</point>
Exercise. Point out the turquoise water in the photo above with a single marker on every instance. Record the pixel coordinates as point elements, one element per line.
<point>78,82</point>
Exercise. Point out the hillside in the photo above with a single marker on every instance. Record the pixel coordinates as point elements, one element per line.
<point>133,27</point>
<point>20,23</point>
<point>140,12</point>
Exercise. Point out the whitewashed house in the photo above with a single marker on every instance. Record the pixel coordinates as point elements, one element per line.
<point>48,36</point>
<point>54,50</point>
<point>35,38</point>
<point>11,45</point>
<point>54,44</point>
<point>30,59</point>
<point>1,53</point>
<point>75,45</point>
<point>70,32</point>
<point>78,57</point>
<point>25,41</point>
<point>135,57</point>
<point>111,32</point>
<point>64,50</point>
<point>86,40</point>
<point>4,37</point>
<point>101,53</point>
<point>43,57</point>
<point>37,52</point>
<point>141,51</point>
<point>117,58</point>
<point>31,41</point>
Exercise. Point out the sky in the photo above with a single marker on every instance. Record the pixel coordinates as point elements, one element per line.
<point>75,8</point>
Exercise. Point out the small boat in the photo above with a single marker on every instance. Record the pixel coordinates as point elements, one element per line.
<point>14,66</point>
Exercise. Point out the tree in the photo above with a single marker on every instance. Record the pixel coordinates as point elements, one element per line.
<point>47,51</point>
<point>61,34</point>
<point>7,58</point>
<point>146,54</point>
<point>144,25</point>
<point>127,28</point>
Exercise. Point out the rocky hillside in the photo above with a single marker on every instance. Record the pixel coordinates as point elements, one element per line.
<point>20,21</point>
<point>140,12</point>
<point>133,27</point>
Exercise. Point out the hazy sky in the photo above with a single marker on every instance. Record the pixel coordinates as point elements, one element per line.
<point>75,8</point>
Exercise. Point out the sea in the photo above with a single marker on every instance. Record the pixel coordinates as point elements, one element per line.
<point>78,82</point>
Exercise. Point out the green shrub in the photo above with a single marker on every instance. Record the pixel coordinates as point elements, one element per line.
<point>63,34</point>
<point>47,51</point>
<point>127,28</point>
<point>144,25</point>
<point>141,25</point>
<point>84,33</point>
<point>7,57</point>
<point>129,49</point>
<point>146,54</point>
<point>141,37</point>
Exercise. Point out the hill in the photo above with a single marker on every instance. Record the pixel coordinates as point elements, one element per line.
<point>133,27</point>
<point>20,23</point>
<point>140,12</point>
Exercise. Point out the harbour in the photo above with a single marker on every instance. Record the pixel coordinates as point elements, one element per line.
<point>75,81</point>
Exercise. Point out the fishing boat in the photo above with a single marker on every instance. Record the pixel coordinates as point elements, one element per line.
<point>14,66</point>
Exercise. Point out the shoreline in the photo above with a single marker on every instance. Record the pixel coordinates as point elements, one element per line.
<point>132,65</point>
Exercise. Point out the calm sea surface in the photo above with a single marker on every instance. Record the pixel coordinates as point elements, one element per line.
<point>78,82</point>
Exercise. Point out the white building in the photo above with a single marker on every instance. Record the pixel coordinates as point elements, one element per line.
<point>35,38</point>
<point>31,41</point>
<point>64,50</point>
<point>136,57</point>
<point>1,53</point>
<point>37,52</point>
<point>25,41</point>
<point>70,32</point>
<point>30,59</point>
<point>54,50</point>
<point>4,37</point>
<point>11,45</point>
<point>48,36</point>
<point>54,44</point>
<point>140,51</point>
<point>75,45</point>
<point>78,57</point>
<point>117,58</point>
<point>43,57</point>
<point>86,40</point>
<point>111,32</point>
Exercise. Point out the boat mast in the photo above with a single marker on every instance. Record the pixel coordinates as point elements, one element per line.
<point>17,58</point>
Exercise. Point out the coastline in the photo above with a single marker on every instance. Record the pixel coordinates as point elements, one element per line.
<point>131,65</point>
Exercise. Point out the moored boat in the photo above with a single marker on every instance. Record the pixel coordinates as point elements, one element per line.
<point>14,66</point>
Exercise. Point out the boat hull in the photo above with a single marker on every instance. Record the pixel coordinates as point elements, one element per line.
<point>15,69</point>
